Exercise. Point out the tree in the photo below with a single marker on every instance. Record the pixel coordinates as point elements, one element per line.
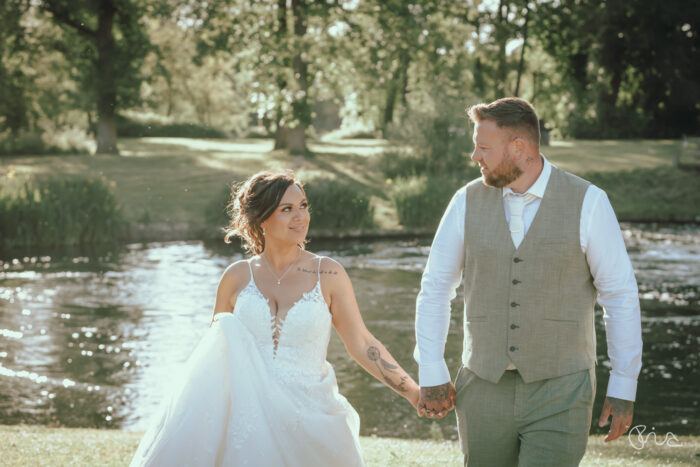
<point>14,107</point>
<point>111,35</point>
<point>631,67</point>
<point>278,42</point>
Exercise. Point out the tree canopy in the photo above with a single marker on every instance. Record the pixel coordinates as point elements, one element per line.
<point>593,68</point>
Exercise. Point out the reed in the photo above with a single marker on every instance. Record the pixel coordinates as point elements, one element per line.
<point>62,212</point>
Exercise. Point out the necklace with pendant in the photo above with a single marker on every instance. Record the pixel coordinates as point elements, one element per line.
<point>279,279</point>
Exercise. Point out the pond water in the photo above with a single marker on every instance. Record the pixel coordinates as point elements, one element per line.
<point>91,339</point>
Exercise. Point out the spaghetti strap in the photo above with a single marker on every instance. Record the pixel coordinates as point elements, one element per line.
<point>250,268</point>
<point>319,269</point>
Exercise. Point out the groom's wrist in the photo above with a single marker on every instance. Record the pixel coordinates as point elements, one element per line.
<point>433,374</point>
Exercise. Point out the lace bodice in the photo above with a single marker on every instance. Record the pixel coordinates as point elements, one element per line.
<point>258,391</point>
<point>296,345</point>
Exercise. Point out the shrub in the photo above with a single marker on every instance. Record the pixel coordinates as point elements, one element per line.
<point>65,212</point>
<point>35,144</point>
<point>659,194</point>
<point>440,136</point>
<point>338,205</point>
<point>421,201</point>
<point>334,205</point>
<point>131,128</point>
<point>402,164</point>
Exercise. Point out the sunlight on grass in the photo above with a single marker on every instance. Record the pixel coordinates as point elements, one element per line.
<point>40,445</point>
<point>583,156</point>
<point>174,180</point>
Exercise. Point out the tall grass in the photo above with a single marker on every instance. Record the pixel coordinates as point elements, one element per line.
<point>338,205</point>
<point>334,205</point>
<point>59,212</point>
<point>40,144</point>
<point>421,201</point>
<point>658,194</point>
<point>132,128</point>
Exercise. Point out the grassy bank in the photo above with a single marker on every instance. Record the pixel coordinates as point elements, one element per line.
<point>167,187</point>
<point>38,445</point>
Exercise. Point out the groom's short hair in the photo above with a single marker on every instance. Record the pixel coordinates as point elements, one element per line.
<point>509,112</point>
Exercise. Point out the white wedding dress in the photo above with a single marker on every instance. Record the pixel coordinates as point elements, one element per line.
<point>248,399</point>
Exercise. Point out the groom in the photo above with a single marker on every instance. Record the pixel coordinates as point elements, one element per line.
<point>536,247</point>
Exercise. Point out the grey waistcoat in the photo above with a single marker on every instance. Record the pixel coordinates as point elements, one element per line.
<point>534,305</point>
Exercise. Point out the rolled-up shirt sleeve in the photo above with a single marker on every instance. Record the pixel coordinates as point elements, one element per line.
<point>613,277</point>
<point>441,278</point>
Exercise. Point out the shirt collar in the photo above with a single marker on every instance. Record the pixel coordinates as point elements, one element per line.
<point>537,188</point>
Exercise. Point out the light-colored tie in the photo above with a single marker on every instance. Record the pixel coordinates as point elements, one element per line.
<point>516,203</point>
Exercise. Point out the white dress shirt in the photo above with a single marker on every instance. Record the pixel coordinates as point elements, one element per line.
<point>613,278</point>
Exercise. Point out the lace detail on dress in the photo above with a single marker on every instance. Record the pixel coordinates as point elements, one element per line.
<point>276,324</point>
<point>246,400</point>
<point>296,343</point>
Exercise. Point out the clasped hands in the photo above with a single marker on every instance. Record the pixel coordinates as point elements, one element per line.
<point>436,401</point>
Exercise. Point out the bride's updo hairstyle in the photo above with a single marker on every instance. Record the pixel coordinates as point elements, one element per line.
<point>252,202</point>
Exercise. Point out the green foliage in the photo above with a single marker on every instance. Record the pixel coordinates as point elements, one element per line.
<point>131,128</point>
<point>338,205</point>
<point>421,201</point>
<point>14,105</point>
<point>439,139</point>
<point>401,164</point>
<point>34,144</point>
<point>65,212</point>
<point>660,194</point>
<point>625,78</point>
<point>334,205</point>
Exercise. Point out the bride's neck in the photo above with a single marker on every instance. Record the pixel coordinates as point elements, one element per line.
<point>280,256</point>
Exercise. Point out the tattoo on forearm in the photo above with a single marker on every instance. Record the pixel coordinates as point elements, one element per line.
<point>388,365</point>
<point>374,354</point>
<point>437,393</point>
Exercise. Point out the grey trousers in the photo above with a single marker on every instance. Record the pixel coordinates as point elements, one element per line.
<point>512,423</point>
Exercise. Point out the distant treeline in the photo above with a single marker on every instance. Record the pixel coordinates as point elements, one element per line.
<point>593,68</point>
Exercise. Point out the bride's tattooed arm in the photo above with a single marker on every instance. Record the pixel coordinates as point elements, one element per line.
<point>394,377</point>
<point>362,346</point>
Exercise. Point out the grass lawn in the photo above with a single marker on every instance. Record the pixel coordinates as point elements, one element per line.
<point>39,445</point>
<point>174,182</point>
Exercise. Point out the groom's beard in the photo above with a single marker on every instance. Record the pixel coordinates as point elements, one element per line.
<point>504,174</point>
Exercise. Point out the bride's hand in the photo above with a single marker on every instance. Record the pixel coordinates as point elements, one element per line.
<point>413,396</point>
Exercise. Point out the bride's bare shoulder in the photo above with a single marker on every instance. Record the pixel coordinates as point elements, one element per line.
<point>331,266</point>
<point>236,274</point>
<point>333,274</point>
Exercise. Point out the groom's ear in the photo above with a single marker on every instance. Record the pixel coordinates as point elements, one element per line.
<point>517,147</point>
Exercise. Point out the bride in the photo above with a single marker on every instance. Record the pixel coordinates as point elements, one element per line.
<point>257,390</point>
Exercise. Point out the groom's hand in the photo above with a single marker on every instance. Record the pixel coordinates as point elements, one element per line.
<point>436,401</point>
<point>622,412</point>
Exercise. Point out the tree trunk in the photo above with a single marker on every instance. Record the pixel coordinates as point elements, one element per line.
<point>534,87</point>
<point>296,136</point>
<point>286,136</point>
<point>106,88</point>
<point>389,106</point>
<point>501,34</point>
<point>521,65</point>
<point>405,62</point>
<point>280,131</point>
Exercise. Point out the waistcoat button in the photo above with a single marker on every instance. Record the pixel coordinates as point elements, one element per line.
<point>513,348</point>
<point>514,326</point>
<point>517,260</point>
<point>513,304</point>
<point>516,282</point>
